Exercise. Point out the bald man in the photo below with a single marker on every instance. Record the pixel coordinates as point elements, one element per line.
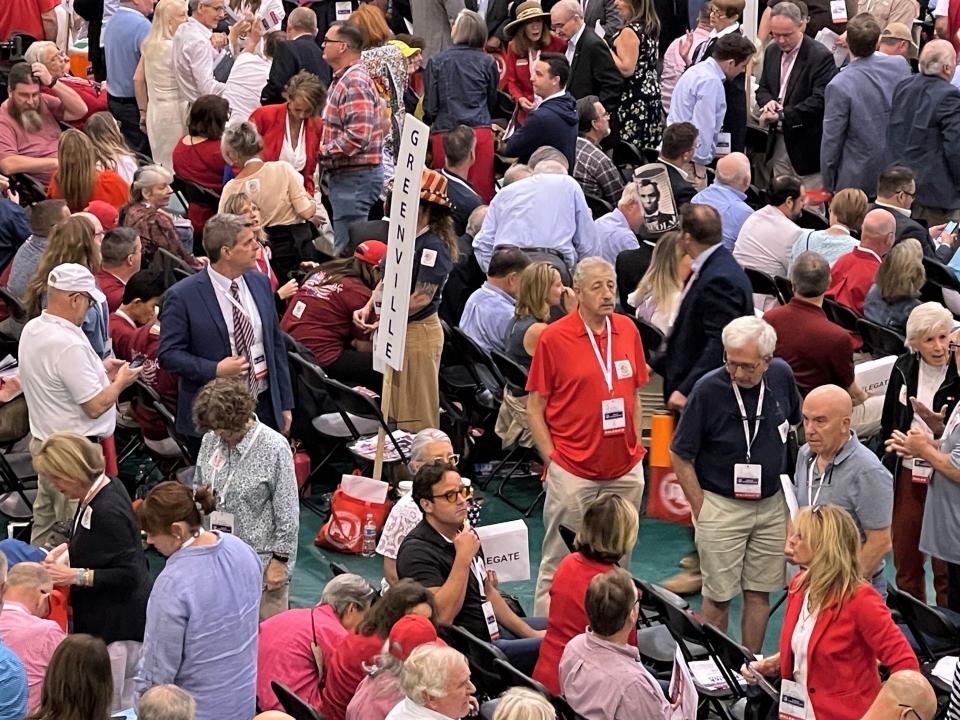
<point>727,195</point>
<point>906,695</point>
<point>854,273</point>
<point>924,133</point>
<point>834,467</point>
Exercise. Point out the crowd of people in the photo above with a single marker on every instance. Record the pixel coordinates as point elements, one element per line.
<point>623,201</point>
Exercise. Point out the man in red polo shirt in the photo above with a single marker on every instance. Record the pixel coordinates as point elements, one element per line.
<point>853,273</point>
<point>584,410</point>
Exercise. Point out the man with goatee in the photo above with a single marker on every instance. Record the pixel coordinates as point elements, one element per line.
<point>30,121</point>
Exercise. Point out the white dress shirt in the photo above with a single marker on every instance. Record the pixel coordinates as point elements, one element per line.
<point>247,77</point>
<point>406,709</point>
<point>765,241</point>
<point>572,44</point>
<point>194,59</point>
<point>221,286</point>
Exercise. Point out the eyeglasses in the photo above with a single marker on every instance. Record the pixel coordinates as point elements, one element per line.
<point>907,192</point>
<point>910,708</point>
<point>714,11</point>
<point>732,367</point>
<point>327,40</point>
<point>465,492</point>
<point>451,459</point>
<point>953,347</point>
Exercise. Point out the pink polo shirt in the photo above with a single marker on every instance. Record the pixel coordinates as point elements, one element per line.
<point>33,640</point>
<point>284,654</point>
<point>15,140</point>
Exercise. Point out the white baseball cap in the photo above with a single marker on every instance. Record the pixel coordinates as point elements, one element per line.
<point>73,277</point>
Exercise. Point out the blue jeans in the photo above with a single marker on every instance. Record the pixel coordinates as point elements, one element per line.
<point>522,652</point>
<point>352,192</point>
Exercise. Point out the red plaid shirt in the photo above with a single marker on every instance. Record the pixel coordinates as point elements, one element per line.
<point>353,121</point>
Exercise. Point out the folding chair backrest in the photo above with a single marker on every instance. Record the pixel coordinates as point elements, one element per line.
<point>764,284</point>
<point>650,335</point>
<point>481,656</point>
<point>681,624</point>
<point>811,221</point>
<point>17,310</point>
<point>940,274</point>
<point>730,656</point>
<point>362,405</point>
<point>840,314</point>
<point>514,678</point>
<point>569,537</point>
<point>784,286</point>
<point>476,356</point>
<point>514,374</point>
<point>880,340</point>
<point>598,206</point>
<point>295,706</point>
<point>171,425</point>
<point>927,622</point>
<point>195,194</point>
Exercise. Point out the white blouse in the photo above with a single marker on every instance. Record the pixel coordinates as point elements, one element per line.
<point>800,643</point>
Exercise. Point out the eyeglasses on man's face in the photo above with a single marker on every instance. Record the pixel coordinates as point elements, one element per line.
<point>732,367</point>
<point>327,40</point>
<point>452,496</point>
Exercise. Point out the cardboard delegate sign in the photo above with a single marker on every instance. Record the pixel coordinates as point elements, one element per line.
<point>506,549</point>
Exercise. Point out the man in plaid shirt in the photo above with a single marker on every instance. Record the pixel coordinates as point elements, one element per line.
<point>351,144</point>
<point>595,172</point>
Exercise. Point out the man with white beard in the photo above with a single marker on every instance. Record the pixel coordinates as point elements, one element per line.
<point>30,121</point>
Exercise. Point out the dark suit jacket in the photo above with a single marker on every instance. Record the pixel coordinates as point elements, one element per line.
<point>497,16</point>
<point>910,228</point>
<point>803,102</point>
<point>592,72</point>
<point>683,191</point>
<point>720,293</point>
<point>631,266</point>
<point>193,339</point>
<point>291,57</point>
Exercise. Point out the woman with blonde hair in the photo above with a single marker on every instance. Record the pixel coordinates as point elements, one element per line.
<point>529,37</point>
<point>163,110</point>
<point>605,538</point>
<point>541,288</point>
<point>834,619</point>
<point>77,179</point>
<point>657,297</point>
<point>847,210</point>
<point>109,147</point>
<point>107,570</point>
<point>520,703</point>
<point>241,204</point>
<point>896,288</point>
<point>147,214</point>
<point>635,50</point>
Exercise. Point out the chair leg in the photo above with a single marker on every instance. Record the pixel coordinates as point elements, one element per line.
<point>524,454</point>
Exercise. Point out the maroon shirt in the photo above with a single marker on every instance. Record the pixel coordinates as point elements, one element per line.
<point>112,287</point>
<point>818,351</point>
<point>320,315</point>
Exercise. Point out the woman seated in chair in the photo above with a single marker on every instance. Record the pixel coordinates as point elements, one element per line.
<point>109,147</point>
<point>320,315</point>
<point>847,210</point>
<point>197,157</point>
<point>277,189</point>
<point>657,297</point>
<point>148,215</point>
<point>896,289</point>
<point>78,180</point>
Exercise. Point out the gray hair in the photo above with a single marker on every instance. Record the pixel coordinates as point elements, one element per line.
<point>589,265</point>
<point>241,143</point>
<point>221,231</point>
<point>742,331</point>
<point>302,19</point>
<point>810,274</point>
<point>520,703</point>
<point>37,51</point>
<point>426,672</point>
<point>925,319</point>
<point>421,440</point>
<point>545,153</point>
<point>517,171</point>
<point>469,29</point>
<point>475,221</point>
<point>787,9</point>
<point>346,590</point>
<point>194,4</point>
<point>936,57</point>
<point>29,575</point>
<point>149,176</point>
<point>569,7</point>
<point>167,702</point>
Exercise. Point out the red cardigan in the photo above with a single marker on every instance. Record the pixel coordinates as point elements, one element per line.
<point>271,123</point>
<point>516,78</point>
<point>845,647</point>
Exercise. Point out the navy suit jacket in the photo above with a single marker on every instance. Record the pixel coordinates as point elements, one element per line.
<point>193,339</point>
<point>720,293</point>
<point>291,57</point>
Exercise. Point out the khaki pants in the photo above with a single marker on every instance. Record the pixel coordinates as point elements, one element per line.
<point>50,507</point>
<point>274,602</point>
<point>416,389</point>
<point>567,496</point>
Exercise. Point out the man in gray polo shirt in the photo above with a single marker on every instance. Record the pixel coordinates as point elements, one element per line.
<point>835,468</point>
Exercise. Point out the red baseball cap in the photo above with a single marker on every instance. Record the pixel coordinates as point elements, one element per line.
<point>105,212</point>
<point>409,633</point>
<point>371,251</point>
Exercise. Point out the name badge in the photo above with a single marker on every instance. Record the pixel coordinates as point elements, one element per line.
<point>922,470</point>
<point>222,521</point>
<point>838,11</point>
<point>343,10</point>
<point>217,460</point>
<point>903,395</point>
<point>624,369</point>
<point>784,429</point>
<point>428,258</point>
<point>723,144</point>
<point>299,308</point>
<point>614,417</point>
<point>87,517</point>
<point>491,619</point>
<point>746,481</point>
<point>793,701</point>
<point>258,358</point>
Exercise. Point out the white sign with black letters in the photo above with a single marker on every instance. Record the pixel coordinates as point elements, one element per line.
<point>506,550</point>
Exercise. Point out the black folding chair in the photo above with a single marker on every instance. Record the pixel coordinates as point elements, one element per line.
<point>598,206</point>
<point>764,284</point>
<point>178,264</point>
<point>17,311</point>
<point>505,106</point>
<point>481,368</point>
<point>190,193</point>
<point>939,279</point>
<point>840,314</point>
<point>295,706</point>
<point>784,286</point>
<point>482,658</point>
<point>880,340</point>
<point>569,537</point>
<point>30,190</point>
<point>651,337</point>
<point>18,487</point>
<point>935,634</point>
<point>812,221</point>
<point>732,656</point>
<point>170,422</point>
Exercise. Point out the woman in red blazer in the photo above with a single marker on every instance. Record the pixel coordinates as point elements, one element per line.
<point>836,629</point>
<point>531,36</point>
<point>291,130</point>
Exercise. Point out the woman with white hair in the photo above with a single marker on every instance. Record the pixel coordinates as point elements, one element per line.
<point>429,445</point>
<point>922,392</point>
<point>163,110</point>
<point>520,703</point>
<point>147,213</point>
<point>436,684</point>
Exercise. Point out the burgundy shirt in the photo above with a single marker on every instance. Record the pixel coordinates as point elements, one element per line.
<point>828,360</point>
<point>112,287</point>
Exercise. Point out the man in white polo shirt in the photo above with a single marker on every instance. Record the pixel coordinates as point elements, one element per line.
<point>66,384</point>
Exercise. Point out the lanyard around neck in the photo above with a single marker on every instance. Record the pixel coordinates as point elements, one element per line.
<point>814,499</point>
<point>743,416</point>
<point>606,369</point>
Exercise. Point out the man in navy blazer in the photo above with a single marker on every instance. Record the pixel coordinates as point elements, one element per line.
<point>197,340</point>
<point>717,292</point>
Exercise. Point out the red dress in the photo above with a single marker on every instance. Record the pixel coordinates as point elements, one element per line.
<point>204,165</point>
<point>517,79</point>
<point>110,188</point>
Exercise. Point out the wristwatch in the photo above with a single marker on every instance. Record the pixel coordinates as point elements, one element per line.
<point>280,558</point>
<point>53,82</point>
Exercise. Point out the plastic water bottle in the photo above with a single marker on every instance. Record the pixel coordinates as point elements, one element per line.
<point>369,537</point>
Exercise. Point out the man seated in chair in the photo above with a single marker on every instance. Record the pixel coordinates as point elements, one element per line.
<point>443,553</point>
